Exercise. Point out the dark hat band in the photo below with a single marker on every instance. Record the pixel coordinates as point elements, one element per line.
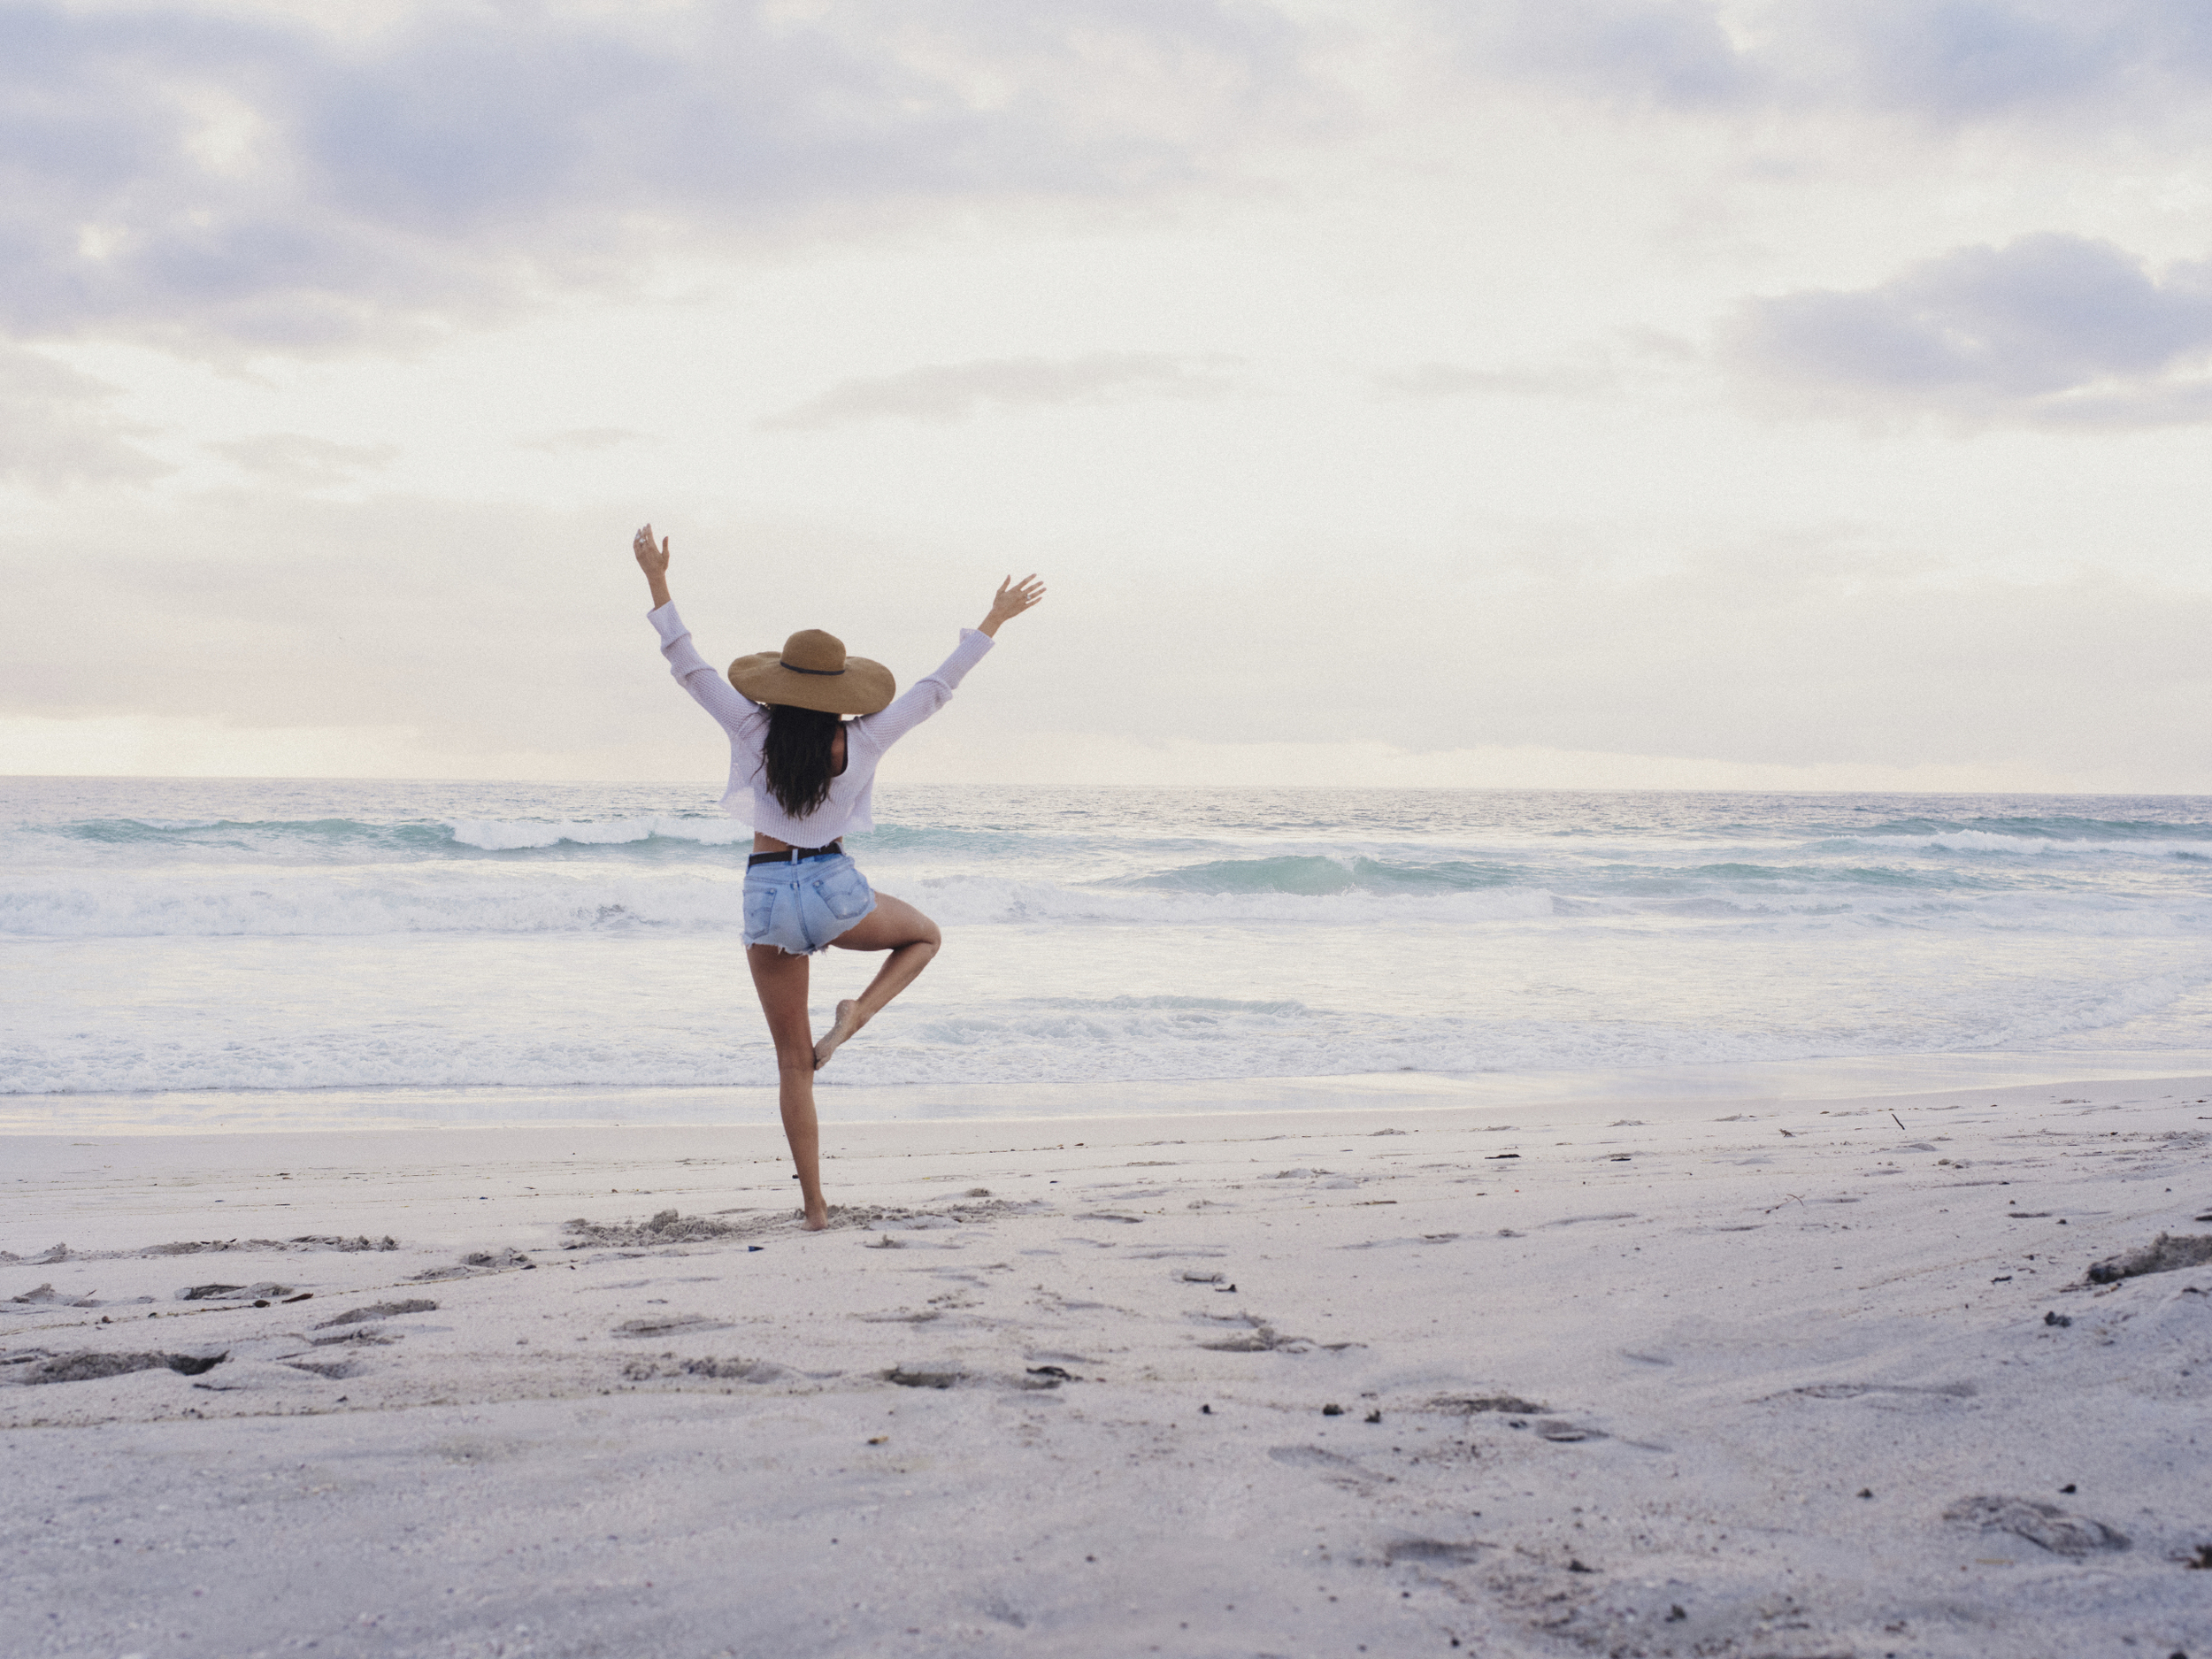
<point>795,668</point>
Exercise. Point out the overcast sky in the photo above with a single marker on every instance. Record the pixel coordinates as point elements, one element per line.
<point>1793,394</point>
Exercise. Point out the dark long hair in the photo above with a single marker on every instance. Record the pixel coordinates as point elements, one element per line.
<point>797,757</point>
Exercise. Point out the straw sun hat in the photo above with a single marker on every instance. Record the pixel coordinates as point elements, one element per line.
<point>812,671</point>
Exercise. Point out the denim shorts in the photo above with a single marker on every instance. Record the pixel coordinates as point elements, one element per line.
<point>802,906</point>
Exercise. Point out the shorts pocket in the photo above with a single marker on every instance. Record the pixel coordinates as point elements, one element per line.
<point>845,894</point>
<point>760,910</point>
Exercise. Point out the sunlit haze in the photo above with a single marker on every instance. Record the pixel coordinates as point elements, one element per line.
<point>1593,392</point>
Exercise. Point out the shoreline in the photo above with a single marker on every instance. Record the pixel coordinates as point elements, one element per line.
<point>339,1110</point>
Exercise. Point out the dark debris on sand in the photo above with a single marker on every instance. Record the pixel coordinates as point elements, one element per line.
<point>1470,1405</point>
<point>729,1369</point>
<point>2165,1254</point>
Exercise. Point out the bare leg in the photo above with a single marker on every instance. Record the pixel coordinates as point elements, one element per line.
<point>910,937</point>
<point>781,981</point>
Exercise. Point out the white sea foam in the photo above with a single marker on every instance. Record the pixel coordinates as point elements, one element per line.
<point>473,899</point>
<point>1022,1042</point>
<point>1970,841</point>
<point>279,936</point>
<point>508,835</point>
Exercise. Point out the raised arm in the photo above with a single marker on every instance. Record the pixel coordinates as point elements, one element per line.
<point>708,689</point>
<point>930,694</point>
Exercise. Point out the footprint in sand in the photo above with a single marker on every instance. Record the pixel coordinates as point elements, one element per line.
<point>46,1296</point>
<point>730,1369</point>
<point>1434,1552</point>
<point>1854,1391</point>
<point>1312,1457</point>
<point>1257,1337</point>
<point>380,1311</point>
<point>669,1324</point>
<point>1472,1405</point>
<point>2044,1525</point>
<point>917,1377</point>
<point>1564,1434</point>
<point>91,1367</point>
<point>365,1336</point>
<point>474,1262</point>
<point>329,1370</point>
<point>263,1292</point>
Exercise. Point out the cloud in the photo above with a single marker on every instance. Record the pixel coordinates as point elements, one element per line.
<point>306,463</point>
<point>1589,379</point>
<point>209,177</point>
<point>1591,370</point>
<point>954,391</point>
<point>1957,62</point>
<point>57,430</point>
<point>2051,330</point>
<point>584,439</point>
<point>1669,52</point>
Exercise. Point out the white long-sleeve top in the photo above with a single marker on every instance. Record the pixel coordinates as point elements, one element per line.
<point>851,808</point>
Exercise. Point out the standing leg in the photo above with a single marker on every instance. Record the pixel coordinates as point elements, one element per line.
<point>910,937</point>
<point>781,981</point>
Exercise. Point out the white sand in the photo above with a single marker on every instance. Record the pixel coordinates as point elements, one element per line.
<point>1727,1323</point>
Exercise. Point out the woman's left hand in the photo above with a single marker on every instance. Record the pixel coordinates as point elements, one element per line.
<point>1014,597</point>
<point>652,558</point>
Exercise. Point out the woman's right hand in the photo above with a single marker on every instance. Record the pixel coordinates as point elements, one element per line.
<point>1013,598</point>
<point>652,558</point>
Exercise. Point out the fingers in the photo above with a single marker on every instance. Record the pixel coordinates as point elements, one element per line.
<point>1014,597</point>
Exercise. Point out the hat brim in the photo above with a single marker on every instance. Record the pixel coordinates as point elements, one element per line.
<point>864,687</point>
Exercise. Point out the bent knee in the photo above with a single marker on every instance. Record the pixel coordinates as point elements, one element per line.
<point>912,930</point>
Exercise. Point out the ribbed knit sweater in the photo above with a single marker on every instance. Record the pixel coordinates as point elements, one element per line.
<point>851,807</point>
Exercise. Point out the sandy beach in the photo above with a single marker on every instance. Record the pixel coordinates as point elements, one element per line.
<point>1713,1379</point>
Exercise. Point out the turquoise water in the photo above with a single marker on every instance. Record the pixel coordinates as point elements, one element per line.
<point>216,937</point>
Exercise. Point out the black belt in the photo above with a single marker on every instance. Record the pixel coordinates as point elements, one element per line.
<point>792,855</point>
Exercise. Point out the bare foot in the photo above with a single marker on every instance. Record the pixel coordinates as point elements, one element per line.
<point>818,1219</point>
<point>848,1022</point>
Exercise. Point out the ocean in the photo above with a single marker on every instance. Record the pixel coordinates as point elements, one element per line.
<point>187,953</point>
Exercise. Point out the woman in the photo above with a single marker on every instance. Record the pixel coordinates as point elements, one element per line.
<point>802,773</point>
